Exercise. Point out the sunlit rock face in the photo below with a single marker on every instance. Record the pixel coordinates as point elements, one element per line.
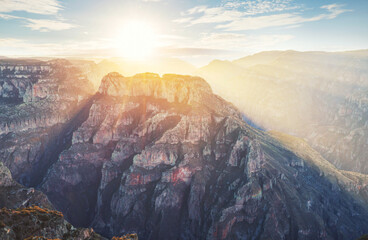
<point>166,158</point>
<point>319,96</point>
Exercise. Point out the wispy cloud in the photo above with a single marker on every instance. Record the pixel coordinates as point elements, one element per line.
<point>259,7</point>
<point>42,7</point>
<point>232,10</point>
<point>286,19</point>
<point>42,25</point>
<point>250,15</point>
<point>45,25</point>
<point>45,7</point>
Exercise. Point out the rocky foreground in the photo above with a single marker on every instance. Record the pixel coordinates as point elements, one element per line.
<point>166,158</point>
<point>20,218</point>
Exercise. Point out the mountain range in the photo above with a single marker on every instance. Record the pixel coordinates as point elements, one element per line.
<point>318,96</point>
<point>167,158</point>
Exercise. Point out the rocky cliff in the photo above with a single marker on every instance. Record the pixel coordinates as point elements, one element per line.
<point>168,159</point>
<point>36,117</point>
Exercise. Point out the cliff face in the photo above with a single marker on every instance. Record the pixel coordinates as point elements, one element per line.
<point>166,158</point>
<point>38,108</point>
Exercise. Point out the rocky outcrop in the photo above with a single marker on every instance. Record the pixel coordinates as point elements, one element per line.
<point>38,223</point>
<point>166,158</point>
<point>20,218</point>
<point>26,213</point>
<point>13,195</point>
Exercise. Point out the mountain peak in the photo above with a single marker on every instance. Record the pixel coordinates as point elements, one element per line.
<point>151,84</point>
<point>173,88</point>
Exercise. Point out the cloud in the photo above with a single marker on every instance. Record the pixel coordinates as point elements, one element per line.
<point>260,7</point>
<point>45,25</point>
<point>210,15</point>
<point>8,17</point>
<point>240,16</point>
<point>232,10</point>
<point>42,7</point>
<point>45,7</point>
<point>334,10</point>
<point>42,25</point>
<point>286,19</point>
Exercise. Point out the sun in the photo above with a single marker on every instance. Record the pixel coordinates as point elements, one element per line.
<point>136,40</point>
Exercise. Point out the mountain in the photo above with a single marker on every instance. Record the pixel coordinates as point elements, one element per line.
<point>95,71</point>
<point>260,58</point>
<point>168,159</point>
<point>318,96</point>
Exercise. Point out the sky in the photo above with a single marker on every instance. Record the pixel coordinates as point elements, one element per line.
<point>196,31</point>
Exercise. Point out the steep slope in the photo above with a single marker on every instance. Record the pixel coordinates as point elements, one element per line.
<point>319,96</point>
<point>355,183</point>
<point>168,159</point>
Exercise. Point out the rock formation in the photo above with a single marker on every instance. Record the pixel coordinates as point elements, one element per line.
<point>38,223</point>
<point>20,218</point>
<point>35,123</point>
<point>166,158</point>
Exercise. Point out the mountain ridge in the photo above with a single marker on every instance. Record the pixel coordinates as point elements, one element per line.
<point>167,158</point>
<point>151,157</point>
<point>318,96</point>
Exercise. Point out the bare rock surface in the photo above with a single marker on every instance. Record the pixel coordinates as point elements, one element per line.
<point>166,158</point>
<point>35,123</point>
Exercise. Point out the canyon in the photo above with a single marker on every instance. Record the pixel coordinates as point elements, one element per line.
<point>166,158</point>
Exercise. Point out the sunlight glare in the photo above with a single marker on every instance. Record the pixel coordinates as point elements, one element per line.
<point>136,40</point>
